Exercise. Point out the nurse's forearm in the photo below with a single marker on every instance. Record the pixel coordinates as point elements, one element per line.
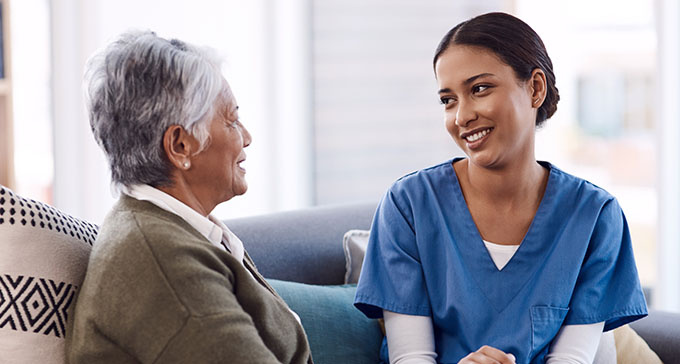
<point>410,338</point>
<point>575,344</point>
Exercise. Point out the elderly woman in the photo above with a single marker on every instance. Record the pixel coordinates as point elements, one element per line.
<point>167,282</point>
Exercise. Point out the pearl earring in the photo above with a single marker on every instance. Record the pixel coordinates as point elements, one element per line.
<point>186,165</point>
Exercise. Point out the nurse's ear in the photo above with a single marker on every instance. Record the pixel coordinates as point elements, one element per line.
<point>537,87</point>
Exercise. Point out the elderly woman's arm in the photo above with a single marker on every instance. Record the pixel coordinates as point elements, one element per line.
<point>230,336</point>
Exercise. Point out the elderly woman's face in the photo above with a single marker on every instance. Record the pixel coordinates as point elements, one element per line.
<point>218,167</point>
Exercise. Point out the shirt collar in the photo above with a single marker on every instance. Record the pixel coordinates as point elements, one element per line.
<point>211,228</point>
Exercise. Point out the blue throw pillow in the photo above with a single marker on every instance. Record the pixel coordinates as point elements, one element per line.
<point>337,332</point>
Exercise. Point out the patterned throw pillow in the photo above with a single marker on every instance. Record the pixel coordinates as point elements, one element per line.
<point>43,258</point>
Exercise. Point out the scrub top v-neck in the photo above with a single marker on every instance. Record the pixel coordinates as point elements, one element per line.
<point>499,286</point>
<point>426,257</point>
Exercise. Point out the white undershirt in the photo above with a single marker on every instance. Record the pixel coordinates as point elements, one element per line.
<point>410,338</point>
<point>212,228</point>
<point>500,254</point>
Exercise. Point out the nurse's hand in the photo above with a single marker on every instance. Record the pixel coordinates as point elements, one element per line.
<point>488,355</point>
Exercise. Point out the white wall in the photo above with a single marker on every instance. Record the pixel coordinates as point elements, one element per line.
<point>80,170</point>
<point>376,110</point>
<point>31,96</point>
<point>668,286</point>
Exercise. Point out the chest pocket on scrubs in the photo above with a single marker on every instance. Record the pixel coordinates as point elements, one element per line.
<point>545,323</point>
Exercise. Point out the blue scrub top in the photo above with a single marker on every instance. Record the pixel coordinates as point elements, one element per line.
<point>426,257</point>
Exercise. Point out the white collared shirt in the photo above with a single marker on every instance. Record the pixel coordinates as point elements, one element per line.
<point>211,227</point>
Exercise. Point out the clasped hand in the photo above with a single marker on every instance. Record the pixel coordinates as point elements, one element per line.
<point>488,355</point>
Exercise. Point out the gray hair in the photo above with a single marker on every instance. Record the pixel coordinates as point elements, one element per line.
<point>136,88</point>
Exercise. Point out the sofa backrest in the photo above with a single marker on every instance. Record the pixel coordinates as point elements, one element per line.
<point>305,245</point>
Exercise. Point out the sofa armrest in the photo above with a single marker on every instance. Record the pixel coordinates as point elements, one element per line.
<point>661,330</point>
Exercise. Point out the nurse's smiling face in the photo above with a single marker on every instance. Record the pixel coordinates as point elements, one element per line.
<point>489,112</point>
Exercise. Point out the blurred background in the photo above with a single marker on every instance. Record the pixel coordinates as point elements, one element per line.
<point>340,98</point>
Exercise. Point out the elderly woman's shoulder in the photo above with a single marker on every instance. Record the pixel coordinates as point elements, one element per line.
<point>136,228</point>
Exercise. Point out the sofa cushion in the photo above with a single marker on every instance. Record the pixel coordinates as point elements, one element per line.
<point>337,332</point>
<point>661,330</point>
<point>42,265</point>
<point>631,348</point>
<point>354,243</point>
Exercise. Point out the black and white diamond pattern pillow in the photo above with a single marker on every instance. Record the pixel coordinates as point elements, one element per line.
<point>43,258</point>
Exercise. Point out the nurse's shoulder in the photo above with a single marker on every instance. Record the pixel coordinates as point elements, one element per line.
<point>574,184</point>
<point>417,181</point>
<point>413,193</point>
<point>579,190</point>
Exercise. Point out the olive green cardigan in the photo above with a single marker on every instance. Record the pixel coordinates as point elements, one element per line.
<point>157,291</point>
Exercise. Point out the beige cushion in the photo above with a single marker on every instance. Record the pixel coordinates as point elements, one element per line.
<point>632,349</point>
<point>42,265</point>
<point>354,243</point>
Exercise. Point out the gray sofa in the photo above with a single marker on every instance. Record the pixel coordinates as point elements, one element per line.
<point>306,246</point>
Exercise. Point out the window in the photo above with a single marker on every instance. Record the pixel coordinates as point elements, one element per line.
<point>605,56</point>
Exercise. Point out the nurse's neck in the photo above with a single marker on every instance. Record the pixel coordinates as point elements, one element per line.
<point>511,183</point>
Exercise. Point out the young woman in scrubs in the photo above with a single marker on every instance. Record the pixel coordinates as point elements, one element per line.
<point>497,257</point>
